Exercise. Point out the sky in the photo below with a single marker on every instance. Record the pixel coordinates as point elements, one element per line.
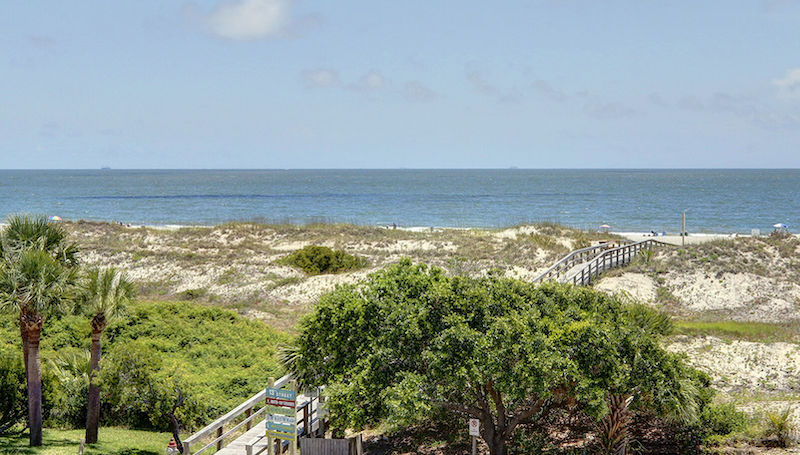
<point>273,84</point>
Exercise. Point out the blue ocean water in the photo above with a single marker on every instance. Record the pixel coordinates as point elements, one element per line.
<point>628,200</point>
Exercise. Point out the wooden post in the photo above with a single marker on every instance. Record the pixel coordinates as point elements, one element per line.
<point>247,414</point>
<point>474,445</point>
<point>82,447</point>
<point>293,442</point>
<point>187,450</point>
<point>219,434</point>
<point>306,429</point>
<point>683,230</point>
<point>270,445</point>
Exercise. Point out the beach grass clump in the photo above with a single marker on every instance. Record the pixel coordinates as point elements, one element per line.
<point>763,332</point>
<point>318,260</point>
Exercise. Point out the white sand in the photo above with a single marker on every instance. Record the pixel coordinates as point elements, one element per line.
<point>744,365</point>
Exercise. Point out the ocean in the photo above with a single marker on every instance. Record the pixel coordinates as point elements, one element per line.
<point>715,201</point>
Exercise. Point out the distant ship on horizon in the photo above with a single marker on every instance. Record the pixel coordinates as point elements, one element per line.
<point>105,168</point>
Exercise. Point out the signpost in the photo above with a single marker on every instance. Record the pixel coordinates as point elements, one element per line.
<point>281,416</point>
<point>474,432</point>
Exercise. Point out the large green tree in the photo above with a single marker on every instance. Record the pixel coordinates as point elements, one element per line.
<point>106,293</point>
<point>37,275</point>
<point>409,341</point>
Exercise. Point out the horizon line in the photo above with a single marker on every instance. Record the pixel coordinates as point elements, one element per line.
<point>510,168</point>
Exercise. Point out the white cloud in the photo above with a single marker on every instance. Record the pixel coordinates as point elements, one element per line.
<point>321,77</point>
<point>790,83</point>
<point>249,19</point>
<point>370,82</point>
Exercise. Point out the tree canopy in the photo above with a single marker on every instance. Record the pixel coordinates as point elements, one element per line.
<point>409,341</point>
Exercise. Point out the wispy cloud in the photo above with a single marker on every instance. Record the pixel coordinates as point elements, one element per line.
<point>249,19</point>
<point>370,82</point>
<point>41,41</point>
<point>609,110</point>
<point>789,83</point>
<point>320,78</point>
<point>480,83</point>
<point>752,110</point>
<point>548,91</point>
<point>415,91</point>
<point>658,100</point>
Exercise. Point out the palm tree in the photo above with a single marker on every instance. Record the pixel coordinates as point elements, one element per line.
<point>35,232</point>
<point>36,285</point>
<point>106,293</point>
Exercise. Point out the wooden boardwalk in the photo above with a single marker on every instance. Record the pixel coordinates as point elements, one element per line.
<point>237,447</point>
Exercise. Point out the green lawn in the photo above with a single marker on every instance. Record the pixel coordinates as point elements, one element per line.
<point>113,441</point>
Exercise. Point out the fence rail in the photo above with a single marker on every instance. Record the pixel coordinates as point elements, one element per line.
<point>215,434</point>
<point>574,258</point>
<point>608,259</point>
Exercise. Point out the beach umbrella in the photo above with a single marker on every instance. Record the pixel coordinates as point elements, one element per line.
<point>55,218</point>
<point>605,227</point>
<point>779,226</point>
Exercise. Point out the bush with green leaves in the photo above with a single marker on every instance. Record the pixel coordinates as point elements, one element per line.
<point>216,357</point>
<point>409,341</point>
<point>317,260</point>
<point>13,399</point>
<point>720,421</point>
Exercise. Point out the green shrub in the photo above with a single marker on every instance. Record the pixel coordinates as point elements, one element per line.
<point>317,260</point>
<point>722,420</point>
<point>13,400</point>
<point>216,357</point>
<point>70,368</point>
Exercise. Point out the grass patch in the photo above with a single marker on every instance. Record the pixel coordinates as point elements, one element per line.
<point>746,331</point>
<point>112,441</point>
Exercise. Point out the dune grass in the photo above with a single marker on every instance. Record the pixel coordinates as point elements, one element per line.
<point>745,331</point>
<point>113,441</point>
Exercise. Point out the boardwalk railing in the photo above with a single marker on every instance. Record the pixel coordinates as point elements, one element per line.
<point>215,434</point>
<point>574,258</point>
<point>608,259</point>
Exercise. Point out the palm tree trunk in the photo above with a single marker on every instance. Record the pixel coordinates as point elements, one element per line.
<point>93,408</point>
<point>23,333</point>
<point>34,329</point>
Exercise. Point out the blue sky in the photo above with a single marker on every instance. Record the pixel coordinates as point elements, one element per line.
<point>417,84</point>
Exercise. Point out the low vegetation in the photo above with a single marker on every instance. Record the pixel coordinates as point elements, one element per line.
<point>317,260</point>
<point>745,331</point>
<point>214,356</point>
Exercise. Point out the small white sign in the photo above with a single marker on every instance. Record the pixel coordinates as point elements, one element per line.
<point>474,427</point>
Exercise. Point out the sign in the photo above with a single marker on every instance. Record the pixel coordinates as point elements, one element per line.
<point>281,414</point>
<point>474,427</point>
